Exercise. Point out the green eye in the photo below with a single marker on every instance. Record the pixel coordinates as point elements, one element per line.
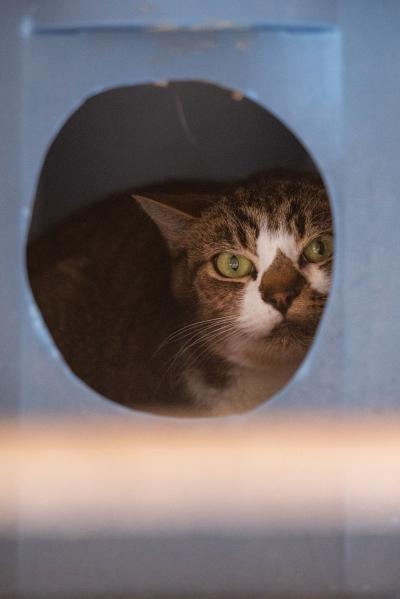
<point>233,266</point>
<point>319,249</point>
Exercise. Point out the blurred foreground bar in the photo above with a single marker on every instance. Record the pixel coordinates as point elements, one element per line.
<point>58,480</point>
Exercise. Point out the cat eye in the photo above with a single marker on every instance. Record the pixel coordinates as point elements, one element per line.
<point>319,249</point>
<point>232,265</point>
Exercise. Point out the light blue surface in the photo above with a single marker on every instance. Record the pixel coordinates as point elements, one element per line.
<point>329,70</point>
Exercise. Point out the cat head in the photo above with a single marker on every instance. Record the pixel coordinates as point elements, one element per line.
<point>255,266</point>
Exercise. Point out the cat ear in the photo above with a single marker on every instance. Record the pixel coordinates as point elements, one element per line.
<point>173,223</point>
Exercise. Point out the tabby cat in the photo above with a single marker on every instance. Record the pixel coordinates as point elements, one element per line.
<point>201,307</point>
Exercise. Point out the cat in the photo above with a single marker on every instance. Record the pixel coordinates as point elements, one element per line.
<point>193,304</point>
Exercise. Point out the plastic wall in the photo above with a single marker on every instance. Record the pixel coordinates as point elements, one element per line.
<point>328,72</point>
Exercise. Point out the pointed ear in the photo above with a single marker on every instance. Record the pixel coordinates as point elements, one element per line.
<point>173,223</point>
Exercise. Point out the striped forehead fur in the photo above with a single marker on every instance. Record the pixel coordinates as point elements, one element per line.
<point>300,208</point>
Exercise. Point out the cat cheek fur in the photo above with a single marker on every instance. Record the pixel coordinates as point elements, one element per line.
<point>217,298</point>
<point>318,278</point>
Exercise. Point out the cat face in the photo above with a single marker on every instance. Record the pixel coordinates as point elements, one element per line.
<point>255,266</point>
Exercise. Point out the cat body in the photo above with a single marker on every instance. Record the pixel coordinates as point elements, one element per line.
<point>200,309</point>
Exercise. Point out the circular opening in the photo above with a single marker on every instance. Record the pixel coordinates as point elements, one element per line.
<point>201,294</point>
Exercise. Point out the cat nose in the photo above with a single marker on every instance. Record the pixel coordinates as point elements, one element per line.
<point>281,283</point>
<point>281,300</point>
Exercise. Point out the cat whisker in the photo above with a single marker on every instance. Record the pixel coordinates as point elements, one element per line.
<point>202,338</point>
<point>199,359</point>
<point>191,329</point>
<point>199,323</point>
<point>197,340</point>
<point>218,336</point>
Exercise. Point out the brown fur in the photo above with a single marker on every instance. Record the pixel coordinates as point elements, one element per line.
<point>113,292</point>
